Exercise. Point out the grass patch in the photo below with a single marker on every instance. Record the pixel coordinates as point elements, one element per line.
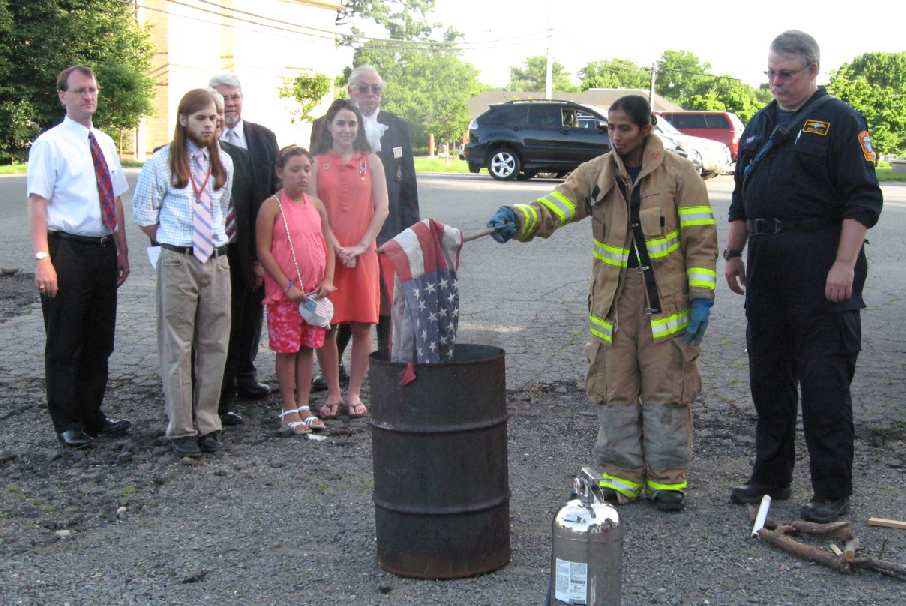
<point>424,164</point>
<point>12,169</point>
<point>887,174</point>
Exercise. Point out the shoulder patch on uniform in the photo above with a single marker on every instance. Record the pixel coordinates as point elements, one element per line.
<point>817,127</point>
<point>867,150</point>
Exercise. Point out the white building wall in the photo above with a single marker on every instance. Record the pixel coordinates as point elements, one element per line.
<point>259,41</point>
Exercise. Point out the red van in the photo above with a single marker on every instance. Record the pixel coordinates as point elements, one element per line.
<point>725,127</point>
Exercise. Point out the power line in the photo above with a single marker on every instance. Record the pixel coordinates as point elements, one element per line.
<point>282,25</point>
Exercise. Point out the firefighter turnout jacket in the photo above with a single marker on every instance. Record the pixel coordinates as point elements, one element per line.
<point>676,220</point>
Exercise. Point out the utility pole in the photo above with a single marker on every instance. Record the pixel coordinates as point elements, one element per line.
<point>549,67</point>
<point>651,87</point>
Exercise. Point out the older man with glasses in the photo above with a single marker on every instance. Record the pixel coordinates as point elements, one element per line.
<point>806,193</point>
<point>388,136</point>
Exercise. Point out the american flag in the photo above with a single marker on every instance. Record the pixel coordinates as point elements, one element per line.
<point>419,267</point>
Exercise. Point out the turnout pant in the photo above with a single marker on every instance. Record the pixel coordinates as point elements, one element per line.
<point>193,311</point>
<point>645,430</point>
<point>79,324</point>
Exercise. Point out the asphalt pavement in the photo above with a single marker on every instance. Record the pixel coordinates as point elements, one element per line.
<point>285,521</point>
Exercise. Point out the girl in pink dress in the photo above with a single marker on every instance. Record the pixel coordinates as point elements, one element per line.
<point>350,179</point>
<point>295,264</point>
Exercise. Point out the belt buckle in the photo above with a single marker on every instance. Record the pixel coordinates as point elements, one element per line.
<point>778,226</point>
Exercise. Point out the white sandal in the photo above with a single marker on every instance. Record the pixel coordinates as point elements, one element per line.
<point>291,427</point>
<point>311,420</point>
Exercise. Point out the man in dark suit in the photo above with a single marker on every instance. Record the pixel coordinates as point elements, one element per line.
<point>260,157</point>
<point>388,135</point>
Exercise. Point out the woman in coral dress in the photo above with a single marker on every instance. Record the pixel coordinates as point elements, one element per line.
<point>350,180</point>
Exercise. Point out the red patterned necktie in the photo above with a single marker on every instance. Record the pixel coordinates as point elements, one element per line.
<point>105,185</point>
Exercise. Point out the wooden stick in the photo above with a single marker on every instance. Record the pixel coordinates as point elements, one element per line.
<point>891,569</point>
<point>837,551</point>
<point>801,550</point>
<point>841,529</point>
<point>849,550</point>
<point>478,234</point>
<point>887,523</point>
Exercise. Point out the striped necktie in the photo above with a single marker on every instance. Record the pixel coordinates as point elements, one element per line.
<point>105,185</point>
<point>202,211</point>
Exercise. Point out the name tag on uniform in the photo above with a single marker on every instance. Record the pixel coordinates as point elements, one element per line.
<point>397,152</point>
<point>817,127</point>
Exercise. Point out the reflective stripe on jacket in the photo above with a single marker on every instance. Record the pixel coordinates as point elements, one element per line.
<point>676,218</point>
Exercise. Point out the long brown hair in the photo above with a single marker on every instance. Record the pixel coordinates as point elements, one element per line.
<point>193,101</point>
<point>325,142</point>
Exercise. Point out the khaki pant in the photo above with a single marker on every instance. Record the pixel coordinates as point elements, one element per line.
<point>645,431</point>
<point>193,312</point>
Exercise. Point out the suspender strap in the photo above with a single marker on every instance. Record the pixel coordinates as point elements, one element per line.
<point>641,250</point>
<point>780,135</point>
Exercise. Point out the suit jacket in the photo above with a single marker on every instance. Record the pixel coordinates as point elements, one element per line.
<point>243,201</point>
<point>262,150</point>
<point>399,169</point>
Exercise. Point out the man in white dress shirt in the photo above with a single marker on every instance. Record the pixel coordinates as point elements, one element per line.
<point>76,221</point>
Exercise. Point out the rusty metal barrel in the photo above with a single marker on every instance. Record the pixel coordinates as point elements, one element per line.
<point>441,483</point>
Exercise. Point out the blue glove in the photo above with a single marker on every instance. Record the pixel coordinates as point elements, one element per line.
<point>504,224</point>
<point>699,310</point>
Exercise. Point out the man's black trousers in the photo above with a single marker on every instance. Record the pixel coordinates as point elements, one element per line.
<point>245,333</point>
<point>79,324</point>
<point>796,339</point>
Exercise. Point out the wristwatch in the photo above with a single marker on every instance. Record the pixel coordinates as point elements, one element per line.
<point>41,254</point>
<point>730,253</point>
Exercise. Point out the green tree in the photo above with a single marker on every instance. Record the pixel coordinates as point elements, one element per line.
<point>307,89</point>
<point>41,38</point>
<point>875,84</point>
<point>401,19</point>
<point>614,73</point>
<point>531,76</point>
<point>680,75</point>
<point>723,93</point>
<point>429,87</point>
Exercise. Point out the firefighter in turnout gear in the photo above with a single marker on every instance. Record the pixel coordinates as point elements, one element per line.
<point>655,250</point>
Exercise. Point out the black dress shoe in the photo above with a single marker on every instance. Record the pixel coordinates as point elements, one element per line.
<point>74,438</point>
<point>230,418</point>
<point>210,443</point>
<point>824,512</point>
<point>319,383</point>
<point>185,447</point>
<point>108,427</point>
<point>253,391</point>
<point>669,500</point>
<point>752,493</point>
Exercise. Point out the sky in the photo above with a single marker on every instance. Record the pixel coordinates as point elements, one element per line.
<point>502,33</point>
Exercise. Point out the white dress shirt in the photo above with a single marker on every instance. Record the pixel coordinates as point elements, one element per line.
<point>61,170</point>
<point>235,135</point>
<point>374,130</point>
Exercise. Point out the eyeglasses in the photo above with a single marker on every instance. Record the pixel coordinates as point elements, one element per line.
<point>376,89</point>
<point>785,74</point>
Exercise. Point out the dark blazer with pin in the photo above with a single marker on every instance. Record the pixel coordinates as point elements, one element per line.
<point>399,168</point>
<point>259,161</point>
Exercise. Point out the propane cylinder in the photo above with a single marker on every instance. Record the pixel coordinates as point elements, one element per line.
<point>587,549</point>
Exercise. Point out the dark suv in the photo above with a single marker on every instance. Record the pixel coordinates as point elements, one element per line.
<point>518,139</point>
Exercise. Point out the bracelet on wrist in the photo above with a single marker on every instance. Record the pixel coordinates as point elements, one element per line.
<point>289,284</point>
